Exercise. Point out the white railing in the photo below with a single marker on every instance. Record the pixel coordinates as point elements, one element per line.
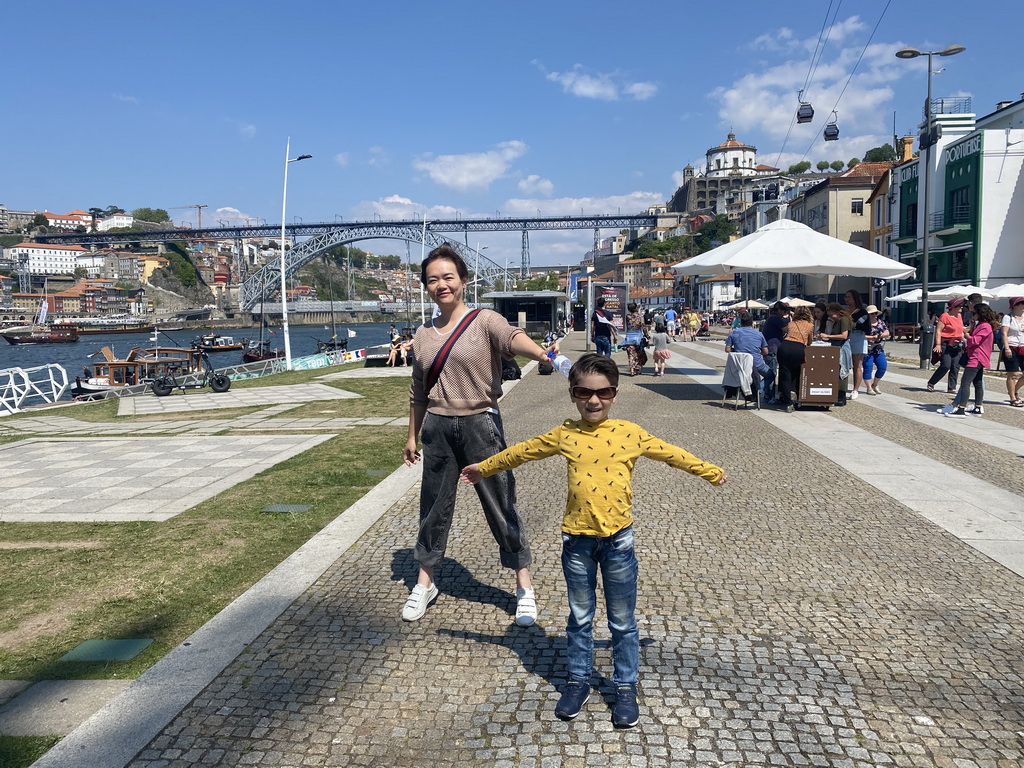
<point>47,383</point>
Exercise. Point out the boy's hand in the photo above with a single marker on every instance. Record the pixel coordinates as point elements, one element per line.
<point>471,475</point>
<point>722,479</point>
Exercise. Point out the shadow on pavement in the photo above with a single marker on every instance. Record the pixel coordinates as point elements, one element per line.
<point>453,579</point>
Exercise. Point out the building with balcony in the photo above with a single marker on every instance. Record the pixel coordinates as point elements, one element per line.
<point>47,258</point>
<point>976,222</point>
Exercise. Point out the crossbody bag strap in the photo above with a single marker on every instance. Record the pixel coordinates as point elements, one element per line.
<point>434,372</point>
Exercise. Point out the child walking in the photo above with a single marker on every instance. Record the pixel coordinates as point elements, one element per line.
<point>660,340</point>
<point>597,527</point>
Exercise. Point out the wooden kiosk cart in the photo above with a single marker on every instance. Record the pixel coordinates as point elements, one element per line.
<point>819,377</point>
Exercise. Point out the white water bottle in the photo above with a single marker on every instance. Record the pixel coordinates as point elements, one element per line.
<point>561,363</point>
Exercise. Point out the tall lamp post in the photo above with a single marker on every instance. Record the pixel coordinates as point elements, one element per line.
<point>476,277</point>
<point>284,285</point>
<point>930,136</point>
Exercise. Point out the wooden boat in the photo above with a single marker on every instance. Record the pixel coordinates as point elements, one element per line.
<point>260,350</point>
<point>214,342</point>
<point>44,334</point>
<point>141,366</point>
<point>96,330</point>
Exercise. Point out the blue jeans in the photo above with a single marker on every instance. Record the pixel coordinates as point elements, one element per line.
<point>581,556</point>
<point>603,345</point>
<point>878,362</point>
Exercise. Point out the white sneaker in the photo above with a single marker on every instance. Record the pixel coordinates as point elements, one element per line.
<point>526,607</point>
<point>870,391</point>
<point>947,409</point>
<point>976,410</point>
<point>853,395</point>
<point>417,602</point>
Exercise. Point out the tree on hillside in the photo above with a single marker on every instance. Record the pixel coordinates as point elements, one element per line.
<point>882,154</point>
<point>802,167</point>
<point>155,215</point>
<point>852,162</point>
<point>40,220</point>
<point>718,230</point>
<point>837,165</point>
<point>822,165</point>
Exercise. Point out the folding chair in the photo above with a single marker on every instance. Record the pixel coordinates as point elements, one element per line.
<point>741,378</point>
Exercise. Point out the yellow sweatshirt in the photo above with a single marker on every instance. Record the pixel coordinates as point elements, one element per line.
<point>601,459</point>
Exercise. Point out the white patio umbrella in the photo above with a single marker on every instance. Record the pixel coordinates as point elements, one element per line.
<point>1007,290</point>
<point>789,246</point>
<point>911,297</point>
<point>959,292</point>
<point>797,302</point>
<point>749,304</point>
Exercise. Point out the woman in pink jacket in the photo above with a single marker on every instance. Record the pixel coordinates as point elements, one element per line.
<point>979,357</point>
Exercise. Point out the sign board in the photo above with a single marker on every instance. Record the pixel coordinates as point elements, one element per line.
<point>616,297</point>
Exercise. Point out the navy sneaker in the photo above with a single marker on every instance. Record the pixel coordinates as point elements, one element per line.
<point>573,698</point>
<point>626,709</point>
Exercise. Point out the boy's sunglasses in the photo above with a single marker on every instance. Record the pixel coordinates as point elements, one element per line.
<point>604,393</point>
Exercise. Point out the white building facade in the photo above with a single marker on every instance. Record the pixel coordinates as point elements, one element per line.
<point>47,259</point>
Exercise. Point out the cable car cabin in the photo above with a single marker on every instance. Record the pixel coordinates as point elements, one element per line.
<point>831,132</point>
<point>805,113</point>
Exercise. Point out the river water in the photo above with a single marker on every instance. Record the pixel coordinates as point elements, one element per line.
<point>75,356</point>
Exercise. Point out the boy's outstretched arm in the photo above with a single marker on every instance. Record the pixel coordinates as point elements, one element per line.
<point>471,475</point>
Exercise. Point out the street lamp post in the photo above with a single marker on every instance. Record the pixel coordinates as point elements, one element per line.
<point>284,285</point>
<point>925,348</point>
<point>476,276</point>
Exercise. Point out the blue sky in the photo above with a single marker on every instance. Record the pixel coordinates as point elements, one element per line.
<point>470,107</point>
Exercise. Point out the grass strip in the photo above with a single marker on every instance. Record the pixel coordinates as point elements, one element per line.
<point>22,751</point>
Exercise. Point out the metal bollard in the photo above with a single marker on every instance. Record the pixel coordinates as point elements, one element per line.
<point>924,347</point>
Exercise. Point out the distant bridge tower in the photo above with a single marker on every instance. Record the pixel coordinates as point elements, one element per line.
<point>524,270</point>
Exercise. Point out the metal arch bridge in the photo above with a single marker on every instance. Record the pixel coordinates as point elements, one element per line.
<point>325,235</point>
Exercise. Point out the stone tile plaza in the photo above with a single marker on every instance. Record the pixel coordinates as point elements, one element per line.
<point>852,597</point>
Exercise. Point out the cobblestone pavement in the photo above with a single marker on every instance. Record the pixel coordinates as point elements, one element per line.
<point>796,616</point>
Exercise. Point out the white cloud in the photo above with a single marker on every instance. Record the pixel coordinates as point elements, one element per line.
<point>765,101</point>
<point>125,98</point>
<point>631,202</point>
<point>476,170</point>
<point>535,185</point>
<point>397,207</point>
<point>247,129</point>
<point>341,159</point>
<point>379,157</point>
<point>605,86</point>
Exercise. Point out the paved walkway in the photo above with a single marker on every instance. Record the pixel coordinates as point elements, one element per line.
<point>810,612</point>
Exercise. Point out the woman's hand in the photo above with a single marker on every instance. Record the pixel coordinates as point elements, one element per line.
<point>471,475</point>
<point>410,454</point>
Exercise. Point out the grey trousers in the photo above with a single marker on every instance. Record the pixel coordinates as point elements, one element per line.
<point>449,444</point>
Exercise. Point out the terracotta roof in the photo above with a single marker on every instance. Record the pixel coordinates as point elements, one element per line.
<point>867,169</point>
<point>763,167</point>
<point>731,142</point>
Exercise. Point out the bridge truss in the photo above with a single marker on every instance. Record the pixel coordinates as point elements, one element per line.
<point>325,235</point>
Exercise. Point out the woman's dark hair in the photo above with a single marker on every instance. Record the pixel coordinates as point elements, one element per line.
<point>857,301</point>
<point>446,252</point>
<point>592,363</point>
<point>659,328</point>
<point>839,309</point>
<point>632,306</point>
<point>823,308</point>
<point>986,315</point>
<point>780,306</point>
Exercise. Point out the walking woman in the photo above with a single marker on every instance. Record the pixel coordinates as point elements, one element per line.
<point>979,357</point>
<point>1013,349</point>
<point>858,337</point>
<point>949,338</point>
<point>456,381</point>
<point>799,335</point>
<point>635,352</point>
<point>875,358</point>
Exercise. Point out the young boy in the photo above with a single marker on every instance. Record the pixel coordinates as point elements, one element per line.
<point>597,527</point>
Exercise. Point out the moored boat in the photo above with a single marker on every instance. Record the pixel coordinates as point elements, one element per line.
<point>52,334</point>
<point>141,366</point>
<point>214,342</point>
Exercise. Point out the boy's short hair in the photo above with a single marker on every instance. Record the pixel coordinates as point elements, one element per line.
<point>592,363</point>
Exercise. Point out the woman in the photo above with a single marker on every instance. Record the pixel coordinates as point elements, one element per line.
<point>455,403</point>
<point>407,347</point>
<point>798,336</point>
<point>858,337</point>
<point>875,358</point>
<point>1013,349</point>
<point>838,335</point>
<point>396,350</point>
<point>979,357</point>
<point>820,313</point>
<point>949,337</point>
<point>635,352</point>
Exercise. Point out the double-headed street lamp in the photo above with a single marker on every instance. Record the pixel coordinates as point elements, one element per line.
<point>927,139</point>
<point>284,284</point>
